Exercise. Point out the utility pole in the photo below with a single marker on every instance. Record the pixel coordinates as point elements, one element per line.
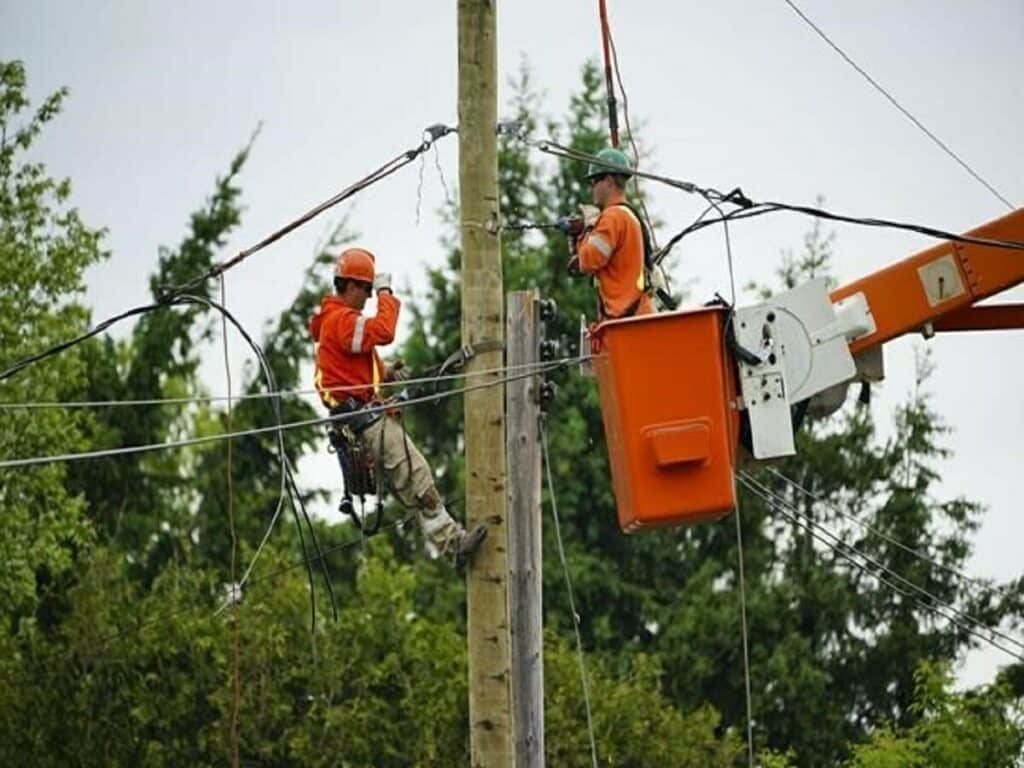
<point>490,708</point>
<point>524,531</point>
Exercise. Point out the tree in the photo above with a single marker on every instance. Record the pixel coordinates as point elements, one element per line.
<point>954,730</point>
<point>833,649</point>
<point>45,248</point>
<point>136,677</point>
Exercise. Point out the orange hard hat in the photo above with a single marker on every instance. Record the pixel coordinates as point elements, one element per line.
<point>355,264</point>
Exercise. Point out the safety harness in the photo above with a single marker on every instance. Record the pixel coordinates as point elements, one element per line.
<point>647,276</point>
<point>357,464</point>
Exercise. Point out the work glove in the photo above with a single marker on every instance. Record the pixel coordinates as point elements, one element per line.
<point>589,214</point>
<point>399,372</point>
<point>573,268</point>
<point>382,282</point>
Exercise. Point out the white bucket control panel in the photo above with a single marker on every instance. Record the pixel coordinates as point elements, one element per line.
<point>799,345</point>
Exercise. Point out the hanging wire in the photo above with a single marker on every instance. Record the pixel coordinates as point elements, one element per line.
<point>865,563</point>
<point>980,583</point>
<point>236,641</point>
<point>412,402</point>
<point>746,650</point>
<point>568,585</point>
<point>417,382</point>
<point>892,100</point>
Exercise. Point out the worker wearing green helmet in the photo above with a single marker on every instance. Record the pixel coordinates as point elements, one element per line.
<point>613,245</point>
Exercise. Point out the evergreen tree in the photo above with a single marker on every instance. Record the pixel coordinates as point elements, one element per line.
<point>833,649</point>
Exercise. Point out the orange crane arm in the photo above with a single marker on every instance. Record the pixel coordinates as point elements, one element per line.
<point>935,290</point>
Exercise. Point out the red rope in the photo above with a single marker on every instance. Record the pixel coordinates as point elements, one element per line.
<point>613,117</point>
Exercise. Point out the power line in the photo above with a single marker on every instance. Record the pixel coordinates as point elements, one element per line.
<point>568,585</point>
<point>884,536</point>
<point>851,554</point>
<point>892,100</point>
<point>384,407</point>
<point>424,380</point>
<point>431,134</point>
<point>746,648</point>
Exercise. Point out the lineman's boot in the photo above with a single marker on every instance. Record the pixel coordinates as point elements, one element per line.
<point>468,544</point>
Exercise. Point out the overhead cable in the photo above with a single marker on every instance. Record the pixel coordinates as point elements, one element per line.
<point>892,100</point>
<point>168,295</point>
<point>747,208</point>
<point>386,385</point>
<point>431,134</point>
<point>752,210</point>
<point>388,406</point>
<point>553,499</point>
<point>883,574</point>
<point>981,583</point>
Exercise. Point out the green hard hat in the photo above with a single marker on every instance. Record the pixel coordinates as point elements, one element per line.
<point>610,156</point>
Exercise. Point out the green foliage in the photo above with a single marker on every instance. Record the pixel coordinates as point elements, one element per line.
<point>139,679</point>
<point>45,249</point>
<point>145,503</point>
<point>832,648</point>
<point>984,727</point>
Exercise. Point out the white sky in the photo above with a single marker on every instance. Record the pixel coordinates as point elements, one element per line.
<point>163,95</point>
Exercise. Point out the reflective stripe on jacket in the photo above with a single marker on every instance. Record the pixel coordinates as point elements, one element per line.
<point>613,251</point>
<point>346,355</point>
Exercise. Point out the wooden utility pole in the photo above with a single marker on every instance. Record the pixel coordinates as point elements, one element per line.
<point>524,531</point>
<point>490,708</point>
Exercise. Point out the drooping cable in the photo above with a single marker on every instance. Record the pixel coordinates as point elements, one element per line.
<point>746,643</point>
<point>817,499</point>
<point>170,294</point>
<point>421,381</point>
<point>881,573</point>
<point>568,586</point>
<point>892,100</point>
<point>759,209</point>
<point>431,134</point>
<point>749,209</point>
<point>412,402</point>
<point>288,483</point>
<point>236,637</point>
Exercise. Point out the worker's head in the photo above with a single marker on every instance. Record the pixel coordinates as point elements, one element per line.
<point>353,277</point>
<point>605,182</point>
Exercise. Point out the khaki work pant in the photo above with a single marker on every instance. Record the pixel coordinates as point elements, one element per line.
<point>402,468</point>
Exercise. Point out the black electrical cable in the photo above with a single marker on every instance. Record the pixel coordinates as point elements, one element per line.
<point>433,132</point>
<point>297,504</point>
<point>169,295</point>
<point>759,209</point>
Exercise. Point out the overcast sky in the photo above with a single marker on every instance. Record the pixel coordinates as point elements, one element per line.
<point>163,95</point>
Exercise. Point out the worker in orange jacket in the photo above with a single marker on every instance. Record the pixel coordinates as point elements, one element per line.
<point>348,376</point>
<point>611,246</point>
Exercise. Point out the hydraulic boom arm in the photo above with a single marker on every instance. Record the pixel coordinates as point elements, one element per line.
<point>935,290</point>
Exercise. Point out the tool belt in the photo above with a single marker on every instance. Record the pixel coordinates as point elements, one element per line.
<point>358,419</point>
<point>356,462</point>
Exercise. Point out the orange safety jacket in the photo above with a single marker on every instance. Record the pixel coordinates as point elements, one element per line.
<point>347,363</point>
<point>613,251</point>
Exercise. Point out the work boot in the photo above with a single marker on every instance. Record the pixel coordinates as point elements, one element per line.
<point>469,542</point>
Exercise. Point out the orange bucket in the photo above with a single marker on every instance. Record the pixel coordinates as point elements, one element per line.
<point>667,390</point>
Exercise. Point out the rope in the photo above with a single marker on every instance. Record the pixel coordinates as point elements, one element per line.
<point>433,398</point>
<point>236,682</point>
<point>613,116</point>
<point>746,651</point>
<point>892,100</point>
<point>851,554</point>
<point>568,586</point>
